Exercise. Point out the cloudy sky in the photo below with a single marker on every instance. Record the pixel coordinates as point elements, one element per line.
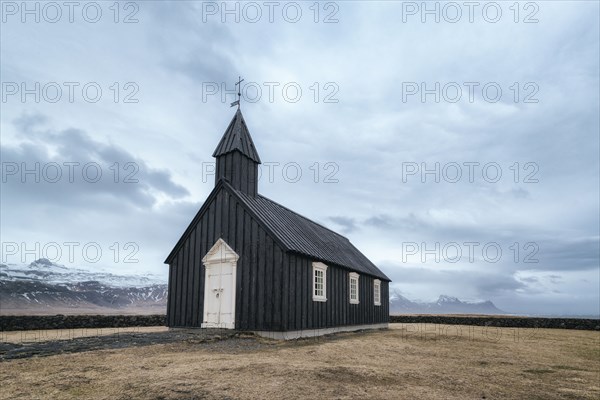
<point>457,147</point>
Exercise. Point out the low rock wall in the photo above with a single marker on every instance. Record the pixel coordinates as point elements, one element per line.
<point>34,322</point>
<point>509,322</point>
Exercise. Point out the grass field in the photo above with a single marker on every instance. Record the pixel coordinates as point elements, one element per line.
<point>407,361</point>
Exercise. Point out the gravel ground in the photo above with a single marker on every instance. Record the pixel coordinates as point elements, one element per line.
<point>211,338</point>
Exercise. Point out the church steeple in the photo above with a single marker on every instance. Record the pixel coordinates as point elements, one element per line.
<point>236,157</point>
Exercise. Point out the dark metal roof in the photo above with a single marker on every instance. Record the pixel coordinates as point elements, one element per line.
<point>237,137</point>
<point>300,234</point>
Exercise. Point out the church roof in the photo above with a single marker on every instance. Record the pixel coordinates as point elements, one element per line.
<point>293,232</point>
<point>299,234</point>
<point>237,137</point>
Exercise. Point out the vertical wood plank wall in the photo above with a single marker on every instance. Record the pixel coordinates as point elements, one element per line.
<point>240,171</point>
<point>301,312</point>
<point>274,289</point>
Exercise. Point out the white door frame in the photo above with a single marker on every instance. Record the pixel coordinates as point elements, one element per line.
<point>218,256</point>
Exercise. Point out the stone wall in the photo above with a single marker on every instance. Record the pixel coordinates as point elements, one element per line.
<point>33,322</point>
<point>511,322</point>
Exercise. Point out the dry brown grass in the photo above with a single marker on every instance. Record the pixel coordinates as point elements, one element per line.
<point>407,361</point>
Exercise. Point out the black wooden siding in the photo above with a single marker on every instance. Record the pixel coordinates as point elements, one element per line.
<point>274,288</point>
<point>300,312</point>
<point>240,171</point>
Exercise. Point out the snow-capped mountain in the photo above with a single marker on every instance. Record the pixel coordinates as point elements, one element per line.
<point>48,272</point>
<point>444,305</point>
<point>44,286</point>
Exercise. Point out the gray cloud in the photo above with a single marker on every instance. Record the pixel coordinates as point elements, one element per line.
<point>348,224</point>
<point>205,53</point>
<point>483,284</point>
<point>112,176</point>
<point>368,134</point>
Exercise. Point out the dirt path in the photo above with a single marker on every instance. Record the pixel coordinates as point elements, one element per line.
<point>32,343</point>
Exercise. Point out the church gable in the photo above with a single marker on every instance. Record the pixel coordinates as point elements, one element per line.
<point>223,214</point>
<point>224,224</point>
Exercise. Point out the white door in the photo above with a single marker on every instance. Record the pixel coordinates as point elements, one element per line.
<point>219,286</point>
<point>218,296</point>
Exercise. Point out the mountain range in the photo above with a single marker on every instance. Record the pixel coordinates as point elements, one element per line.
<point>45,287</point>
<point>444,305</point>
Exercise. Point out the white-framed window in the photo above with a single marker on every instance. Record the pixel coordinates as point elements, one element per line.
<point>319,286</point>
<point>377,292</point>
<point>353,288</point>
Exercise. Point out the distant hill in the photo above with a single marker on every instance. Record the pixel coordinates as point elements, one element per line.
<point>444,305</point>
<point>43,287</point>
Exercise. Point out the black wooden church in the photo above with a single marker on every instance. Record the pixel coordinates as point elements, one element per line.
<point>246,262</point>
